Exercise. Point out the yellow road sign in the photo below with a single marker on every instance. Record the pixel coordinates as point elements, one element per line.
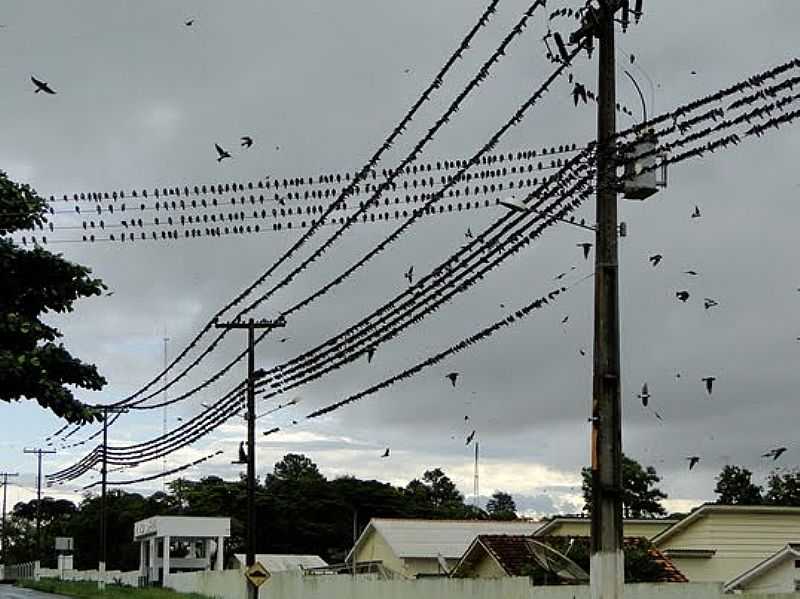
<point>257,574</point>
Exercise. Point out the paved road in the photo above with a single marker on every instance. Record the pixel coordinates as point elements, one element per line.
<point>9,591</point>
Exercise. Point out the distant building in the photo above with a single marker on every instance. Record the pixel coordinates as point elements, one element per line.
<point>416,547</point>
<point>278,562</point>
<point>501,556</point>
<point>722,543</point>
<point>779,573</point>
<point>577,526</point>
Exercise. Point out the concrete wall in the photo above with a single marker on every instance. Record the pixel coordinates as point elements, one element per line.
<point>127,578</point>
<point>230,584</point>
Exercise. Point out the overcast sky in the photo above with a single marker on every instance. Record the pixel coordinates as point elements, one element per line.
<point>142,98</point>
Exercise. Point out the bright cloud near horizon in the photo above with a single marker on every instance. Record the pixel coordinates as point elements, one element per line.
<point>141,101</point>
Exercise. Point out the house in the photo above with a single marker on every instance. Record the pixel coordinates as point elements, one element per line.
<point>419,547</point>
<point>275,562</point>
<point>720,543</point>
<point>577,526</point>
<point>500,556</point>
<point>779,573</point>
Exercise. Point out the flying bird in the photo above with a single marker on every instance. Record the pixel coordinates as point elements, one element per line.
<point>774,453</point>
<point>189,23</point>
<point>682,295</point>
<point>42,86</point>
<point>409,275</point>
<point>284,339</point>
<point>710,303</point>
<point>582,352</point>
<point>586,249</point>
<point>385,453</point>
<point>453,376</point>
<point>470,437</point>
<point>691,273</point>
<point>644,395</point>
<point>579,94</point>
<point>709,381</point>
<point>693,460</point>
<point>696,213</point>
<point>655,259</point>
<point>221,154</point>
<point>566,318</point>
<point>559,277</point>
<point>468,234</point>
<point>247,141</point>
<point>466,418</point>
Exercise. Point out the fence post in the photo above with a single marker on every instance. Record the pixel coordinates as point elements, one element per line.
<point>36,568</point>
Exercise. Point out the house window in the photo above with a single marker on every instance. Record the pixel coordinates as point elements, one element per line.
<point>797,563</point>
<point>797,586</point>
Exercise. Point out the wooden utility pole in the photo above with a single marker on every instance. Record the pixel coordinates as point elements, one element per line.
<point>39,453</point>
<point>251,326</point>
<point>5,476</point>
<point>607,562</point>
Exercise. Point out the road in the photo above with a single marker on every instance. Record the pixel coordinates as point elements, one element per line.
<point>9,591</point>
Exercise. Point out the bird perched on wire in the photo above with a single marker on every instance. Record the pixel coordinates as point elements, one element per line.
<point>586,249</point>
<point>579,94</point>
<point>221,154</point>
<point>774,453</point>
<point>682,295</point>
<point>696,213</point>
<point>409,275</point>
<point>470,437</point>
<point>42,86</point>
<point>453,376</point>
<point>709,381</point>
<point>655,259</point>
<point>644,396</point>
<point>385,453</point>
<point>247,141</point>
<point>693,461</point>
<point>469,234</point>
<point>242,454</point>
<point>370,353</point>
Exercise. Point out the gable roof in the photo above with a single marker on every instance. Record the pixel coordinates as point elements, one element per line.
<point>790,551</point>
<point>557,521</point>
<point>514,555</point>
<point>278,562</point>
<point>711,508</point>
<point>409,538</point>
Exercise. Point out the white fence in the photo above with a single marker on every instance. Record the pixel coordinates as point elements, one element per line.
<point>112,576</point>
<point>230,584</point>
<point>28,570</point>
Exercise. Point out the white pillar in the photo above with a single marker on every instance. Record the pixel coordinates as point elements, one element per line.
<point>153,557</point>
<point>142,561</point>
<point>165,563</point>
<point>220,551</point>
<point>207,546</point>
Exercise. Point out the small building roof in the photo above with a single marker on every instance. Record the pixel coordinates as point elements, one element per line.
<point>422,538</point>
<point>278,562</point>
<point>553,523</point>
<point>790,551</point>
<point>714,508</point>
<point>181,526</point>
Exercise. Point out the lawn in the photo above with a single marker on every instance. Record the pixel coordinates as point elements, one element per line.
<point>88,590</point>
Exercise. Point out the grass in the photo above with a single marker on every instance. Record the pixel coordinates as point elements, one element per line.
<point>88,590</point>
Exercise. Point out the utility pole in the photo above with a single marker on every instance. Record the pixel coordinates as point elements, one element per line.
<point>5,476</point>
<point>101,570</point>
<point>164,418</point>
<point>39,453</point>
<point>606,561</point>
<point>251,326</point>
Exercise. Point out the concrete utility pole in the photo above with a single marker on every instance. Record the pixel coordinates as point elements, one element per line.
<point>101,570</point>
<point>39,453</point>
<point>251,326</point>
<point>607,562</point>
<point>5,476</point>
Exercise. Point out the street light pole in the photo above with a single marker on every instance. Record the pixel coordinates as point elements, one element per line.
<point>39,453</point>
<point>5,476</point>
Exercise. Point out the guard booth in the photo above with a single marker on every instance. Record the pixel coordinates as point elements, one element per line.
<point>179,544</point>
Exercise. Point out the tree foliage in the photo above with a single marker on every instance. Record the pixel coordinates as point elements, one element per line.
<point>784,489</point>
<point>33,364</point>
<point>735,487</point>
<point>501,506</point>
<point>640,496</point>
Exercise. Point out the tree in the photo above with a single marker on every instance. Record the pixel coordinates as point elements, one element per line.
<point>296,467</point>
<point>501,506</point>
<point>640,497</point>
<point>36,282</point>
<point>735,487</point>
<point>784,489</point>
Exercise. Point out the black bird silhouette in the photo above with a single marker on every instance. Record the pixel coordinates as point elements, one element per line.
<point>579,93</point>
<point>470,437</point>
<point>693,460</point>
<point>586,249</point>
<point>453,376</point>
<point>774,453</point>
<point>692,273</point>
<point>370,353</point>
<point>655,259</point>
<point>582,352</point>
<point>109,294</point>
<point>682,295</point>
<point>409,275</point>
<point>221,154</point>
<point>696,213</point>
<point>466,418</point>
<point>284,339</point>
<point>247,141</point>
<point>565,319</point>
<point>242,454</point>
<point>709,381</point>
<point>644,395</point>
<point>559,277</point>
<point>42,86</point>
<point>468,234</point>
<point>710,303</point>
<point>189,23</point>
<point>385,453</point>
